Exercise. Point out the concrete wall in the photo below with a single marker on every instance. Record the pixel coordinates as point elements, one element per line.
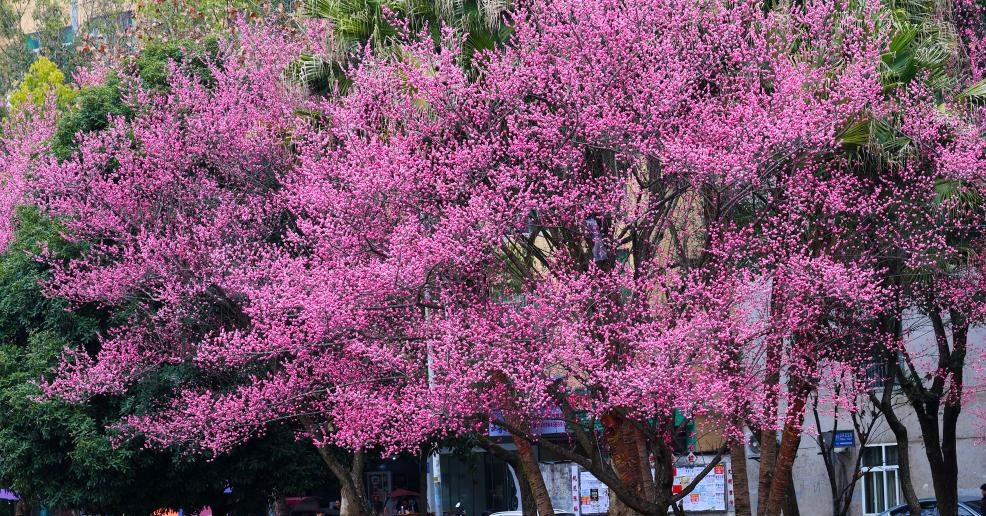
<point>811,480</point>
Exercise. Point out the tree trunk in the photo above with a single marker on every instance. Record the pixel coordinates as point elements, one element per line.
<point>527,505</point>
<point>944,470</point>
<point>353,499</point>
<point>350,476</point>
<point>352,503</point>
<point>768,436</point>
<point>535,480</point>
<point>948,502</point>
<point>900,436</point>
<point>525,455</point>
<point>940,445</point>
<point>664,464</point>
<point>768,457</point>
<point>22,508</point>
<point>741,482</point>
<point>903,458</point>
<point>791,500</point>
<point>423,482</point>
<point>788,451</point>
<point>624,445</point>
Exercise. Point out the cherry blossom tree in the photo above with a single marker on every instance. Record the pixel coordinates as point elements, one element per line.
<point>633,211</point>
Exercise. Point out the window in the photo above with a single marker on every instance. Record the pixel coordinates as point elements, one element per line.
<point>881,484</point>
<point>876,371</point>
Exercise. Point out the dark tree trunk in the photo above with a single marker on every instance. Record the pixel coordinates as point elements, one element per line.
<point>423,482</point>
<point>350,477</point>
<point>948,501</point>
<point>903,457</point>
<point>22,508</point>
<point>900,433</point>
<point>527,505</point>
<point>943,396</point>
<point>791,500</point>
<point>768,437</point>
<point>741,484</point>
<point>788,451</point>
<point>535,480</point>
<point>624,442</point>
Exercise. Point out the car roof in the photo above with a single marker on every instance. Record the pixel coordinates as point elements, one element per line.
<point>963,499</point>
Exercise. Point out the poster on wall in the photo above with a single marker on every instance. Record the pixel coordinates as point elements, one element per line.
<point>708,495</point>
<point>593,494</point>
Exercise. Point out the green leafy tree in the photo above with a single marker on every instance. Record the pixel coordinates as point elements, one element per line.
<point>104,31</point>
<point>42,80</point>
<point>61,455</point>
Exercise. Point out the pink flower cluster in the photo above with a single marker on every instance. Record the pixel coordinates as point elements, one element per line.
<point>639,207</point>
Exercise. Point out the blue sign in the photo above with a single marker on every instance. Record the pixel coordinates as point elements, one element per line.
<point>844,439</point>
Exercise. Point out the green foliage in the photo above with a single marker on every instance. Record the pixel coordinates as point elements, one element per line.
<point>153,61</point>
<point>196,20</point>
<point>48,439</point>
<point>101,32</point>
<point>95,104</point>
<point>61,454</point>
<point>360,22</point>
<point>15,56</point>
<point>43,79</point>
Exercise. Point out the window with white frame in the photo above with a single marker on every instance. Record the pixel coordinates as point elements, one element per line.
<point>881,479</point>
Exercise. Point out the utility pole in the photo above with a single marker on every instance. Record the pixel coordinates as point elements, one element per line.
<point>435,482</point>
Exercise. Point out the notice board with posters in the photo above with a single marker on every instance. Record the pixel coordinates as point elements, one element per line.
<point>708,495</point>
<point>593,495</point>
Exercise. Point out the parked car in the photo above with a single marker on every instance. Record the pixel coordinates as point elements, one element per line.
<point>929,507</point>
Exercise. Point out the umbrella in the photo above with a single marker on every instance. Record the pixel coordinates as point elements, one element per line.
<point>7,495</point>
<point>401,493</point>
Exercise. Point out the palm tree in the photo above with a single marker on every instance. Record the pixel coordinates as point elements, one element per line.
<point>358,23</point>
